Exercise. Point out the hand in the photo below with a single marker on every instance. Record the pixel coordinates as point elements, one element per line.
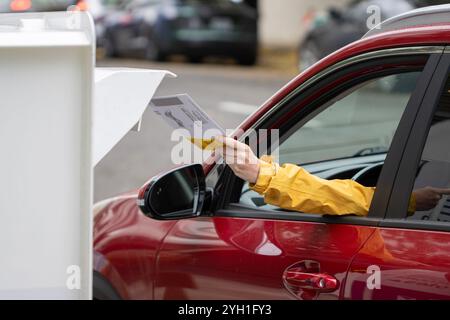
<point>239,157</point>
<point>427,198</point>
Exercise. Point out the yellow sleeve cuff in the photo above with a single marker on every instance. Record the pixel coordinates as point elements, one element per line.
<point>412,205</point>
<point>267,170</point>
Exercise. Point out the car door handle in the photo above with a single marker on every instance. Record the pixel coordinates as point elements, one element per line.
<point>320,282</point>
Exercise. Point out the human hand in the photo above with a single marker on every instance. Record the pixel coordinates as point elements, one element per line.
<point>427,198</point>
<point>239,157</point>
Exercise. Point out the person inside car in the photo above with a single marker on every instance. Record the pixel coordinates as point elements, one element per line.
<point>291,187</point>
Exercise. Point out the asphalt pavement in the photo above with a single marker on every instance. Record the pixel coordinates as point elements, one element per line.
<point>227,92</point>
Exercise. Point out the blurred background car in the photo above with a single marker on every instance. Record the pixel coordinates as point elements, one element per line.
<point>34,5</point>
<point>156,29</point>
<point>100,10</point>
<point>334,28</point>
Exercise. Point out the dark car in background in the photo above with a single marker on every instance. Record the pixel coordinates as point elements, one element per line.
<point>335,28</point>
<point>156,29</point>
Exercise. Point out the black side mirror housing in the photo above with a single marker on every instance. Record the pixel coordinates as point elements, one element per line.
<point>177,194</point>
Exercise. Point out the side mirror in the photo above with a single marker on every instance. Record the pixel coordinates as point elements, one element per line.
<point>178,194</point>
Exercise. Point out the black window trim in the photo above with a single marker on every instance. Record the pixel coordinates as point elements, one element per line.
<point>404,182</point>
<point>387,177</point>
<point>236,210</point>
<point>226,209</point>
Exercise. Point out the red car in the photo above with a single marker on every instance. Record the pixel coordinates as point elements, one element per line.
<point>376,111</point>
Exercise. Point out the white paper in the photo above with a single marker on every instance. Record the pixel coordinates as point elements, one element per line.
<point>181,112</point>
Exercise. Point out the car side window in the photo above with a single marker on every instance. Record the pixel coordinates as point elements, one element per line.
<point>348,137</point>
<point>360,122</point>
<point>432,181</point>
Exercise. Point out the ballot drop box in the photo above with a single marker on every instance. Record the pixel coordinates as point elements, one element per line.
<point>58,118</point>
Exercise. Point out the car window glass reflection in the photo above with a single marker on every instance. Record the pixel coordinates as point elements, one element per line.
<point>362,122</point>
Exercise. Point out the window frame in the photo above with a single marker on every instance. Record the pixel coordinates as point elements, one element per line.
<point>226,179</point>
<point>397,207</point>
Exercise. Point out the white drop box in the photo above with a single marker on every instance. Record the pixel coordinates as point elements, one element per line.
<point>58,117</point>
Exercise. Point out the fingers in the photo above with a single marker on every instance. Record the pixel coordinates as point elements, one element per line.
<point>234,152</point>
<point>229,147</point>
<point>227,143</point>
<point>442,191</point>
<point>429,197</point>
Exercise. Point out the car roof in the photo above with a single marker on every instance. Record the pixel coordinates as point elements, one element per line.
<point>428,16</point>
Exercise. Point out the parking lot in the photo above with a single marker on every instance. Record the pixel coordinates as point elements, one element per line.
<point>226,91</point>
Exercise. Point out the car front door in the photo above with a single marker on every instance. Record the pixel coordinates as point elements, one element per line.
<point>410,253</point>
<point>340,126</point>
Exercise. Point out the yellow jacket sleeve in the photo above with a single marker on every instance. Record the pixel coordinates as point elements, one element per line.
<point>293,188</point>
